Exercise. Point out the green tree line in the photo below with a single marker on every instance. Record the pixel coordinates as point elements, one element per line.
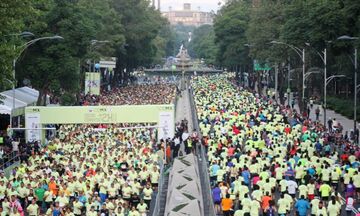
<point>136,34</point>
<point>243,30</point>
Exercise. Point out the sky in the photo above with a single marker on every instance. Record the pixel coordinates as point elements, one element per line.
<point>205,5</point>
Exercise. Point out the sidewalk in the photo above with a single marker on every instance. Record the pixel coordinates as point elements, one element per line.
<point>183,111</point>
<point>348,124</point>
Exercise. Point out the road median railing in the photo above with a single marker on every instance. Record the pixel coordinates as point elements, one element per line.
<point>209,209</point>
<point>157,206</point>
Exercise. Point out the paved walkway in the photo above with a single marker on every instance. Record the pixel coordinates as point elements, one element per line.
<point>348,124</point>
<point>183,110</point>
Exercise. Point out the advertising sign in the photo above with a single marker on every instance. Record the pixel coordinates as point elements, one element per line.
<point>32,121</point>
<point>92,83</point>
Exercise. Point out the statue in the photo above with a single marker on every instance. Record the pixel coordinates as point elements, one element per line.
<point>183,58</point>
<point>183,53</point>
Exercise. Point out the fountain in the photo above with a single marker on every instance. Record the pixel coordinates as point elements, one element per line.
<point>183,59</point>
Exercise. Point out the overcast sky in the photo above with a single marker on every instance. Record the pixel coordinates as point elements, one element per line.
<point>205,5</point>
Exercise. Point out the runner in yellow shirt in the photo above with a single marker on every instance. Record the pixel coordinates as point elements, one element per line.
<point>78,207</point>
<point>142,207</point>
<point>325,191</point>
<point>334,207</point>
<point>283,205</point>
<point>33,209</point>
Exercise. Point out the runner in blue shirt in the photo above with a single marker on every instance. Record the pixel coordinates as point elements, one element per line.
<point>216,195</point>
<point>302,206</point>
<point>246,175</point>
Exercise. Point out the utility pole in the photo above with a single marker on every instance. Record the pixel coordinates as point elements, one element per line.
<point>288,82</point>
<point>276,82</point>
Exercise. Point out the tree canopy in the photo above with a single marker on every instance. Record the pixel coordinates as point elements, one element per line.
<point>136,34</point>
<point>315,23</point>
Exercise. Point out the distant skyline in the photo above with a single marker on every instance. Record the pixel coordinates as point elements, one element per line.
<point>205,5</point>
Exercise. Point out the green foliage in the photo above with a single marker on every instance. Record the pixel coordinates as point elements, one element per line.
<point>202,44</point>
<point>11,22</point>
<point>296,22</point>
<point>67,99</point>
<point>230,27</point>
<point>164,42</point>
<point>137,35</point>
<point>265,26</point>
<point>181,36</point>
<point>343,107</point>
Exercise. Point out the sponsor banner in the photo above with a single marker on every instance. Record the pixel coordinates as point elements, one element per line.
<point>92,83</point>
<point>33,123</point>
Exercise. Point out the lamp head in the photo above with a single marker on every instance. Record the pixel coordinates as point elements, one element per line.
<point>57,37</point>
<point>26,34</point>
<point>347,37</point>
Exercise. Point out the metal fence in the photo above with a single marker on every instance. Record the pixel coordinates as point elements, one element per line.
<point>209,209</point>
<point>157,206</point>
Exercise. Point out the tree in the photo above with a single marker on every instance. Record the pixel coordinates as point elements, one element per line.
<point>11,22</point>
<point>230,26</point>
<point>53,66</point>
<point>202,45</point>
<point>142,24</point>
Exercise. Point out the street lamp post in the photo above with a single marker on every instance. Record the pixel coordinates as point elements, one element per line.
<point>301,54</point>
<point>326,79</point>
<point>93,43</point>
<point>345,37</point>
<point>22,34</point>
<point>326,82</point>
<point>24,47</point>
<point>288,83</point>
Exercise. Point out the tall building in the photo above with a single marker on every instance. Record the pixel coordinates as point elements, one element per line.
<point>188,17</point>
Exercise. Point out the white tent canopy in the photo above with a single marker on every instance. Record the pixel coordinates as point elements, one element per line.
<point>24,96</point>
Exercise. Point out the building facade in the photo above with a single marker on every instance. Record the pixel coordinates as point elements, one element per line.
<point>188,17</point>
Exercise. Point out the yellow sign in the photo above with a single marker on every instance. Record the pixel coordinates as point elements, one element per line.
<point>100,114</point>
<point>92,83</point>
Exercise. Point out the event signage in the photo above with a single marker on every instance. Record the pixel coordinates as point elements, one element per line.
<point>92,83</point>
<point>32,122</point>
<point>162,115</point>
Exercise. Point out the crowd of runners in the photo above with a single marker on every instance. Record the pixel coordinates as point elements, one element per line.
<point>92,169</point>
<point>148,93</point>
<point>266,159</point>
<point>86,170</point>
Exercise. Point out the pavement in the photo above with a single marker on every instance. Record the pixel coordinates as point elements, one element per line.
<point>183,109</point>
<point>348,124</point>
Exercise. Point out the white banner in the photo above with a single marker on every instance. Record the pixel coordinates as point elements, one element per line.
<point>32,121</point>
<point>166,125</point>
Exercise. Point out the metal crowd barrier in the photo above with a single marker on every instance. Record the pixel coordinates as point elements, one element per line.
<point>11,160</point>
<point>157,206</point>
<point>209,209</point>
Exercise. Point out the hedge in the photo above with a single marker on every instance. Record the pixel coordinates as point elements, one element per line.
<point>344,107</point>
